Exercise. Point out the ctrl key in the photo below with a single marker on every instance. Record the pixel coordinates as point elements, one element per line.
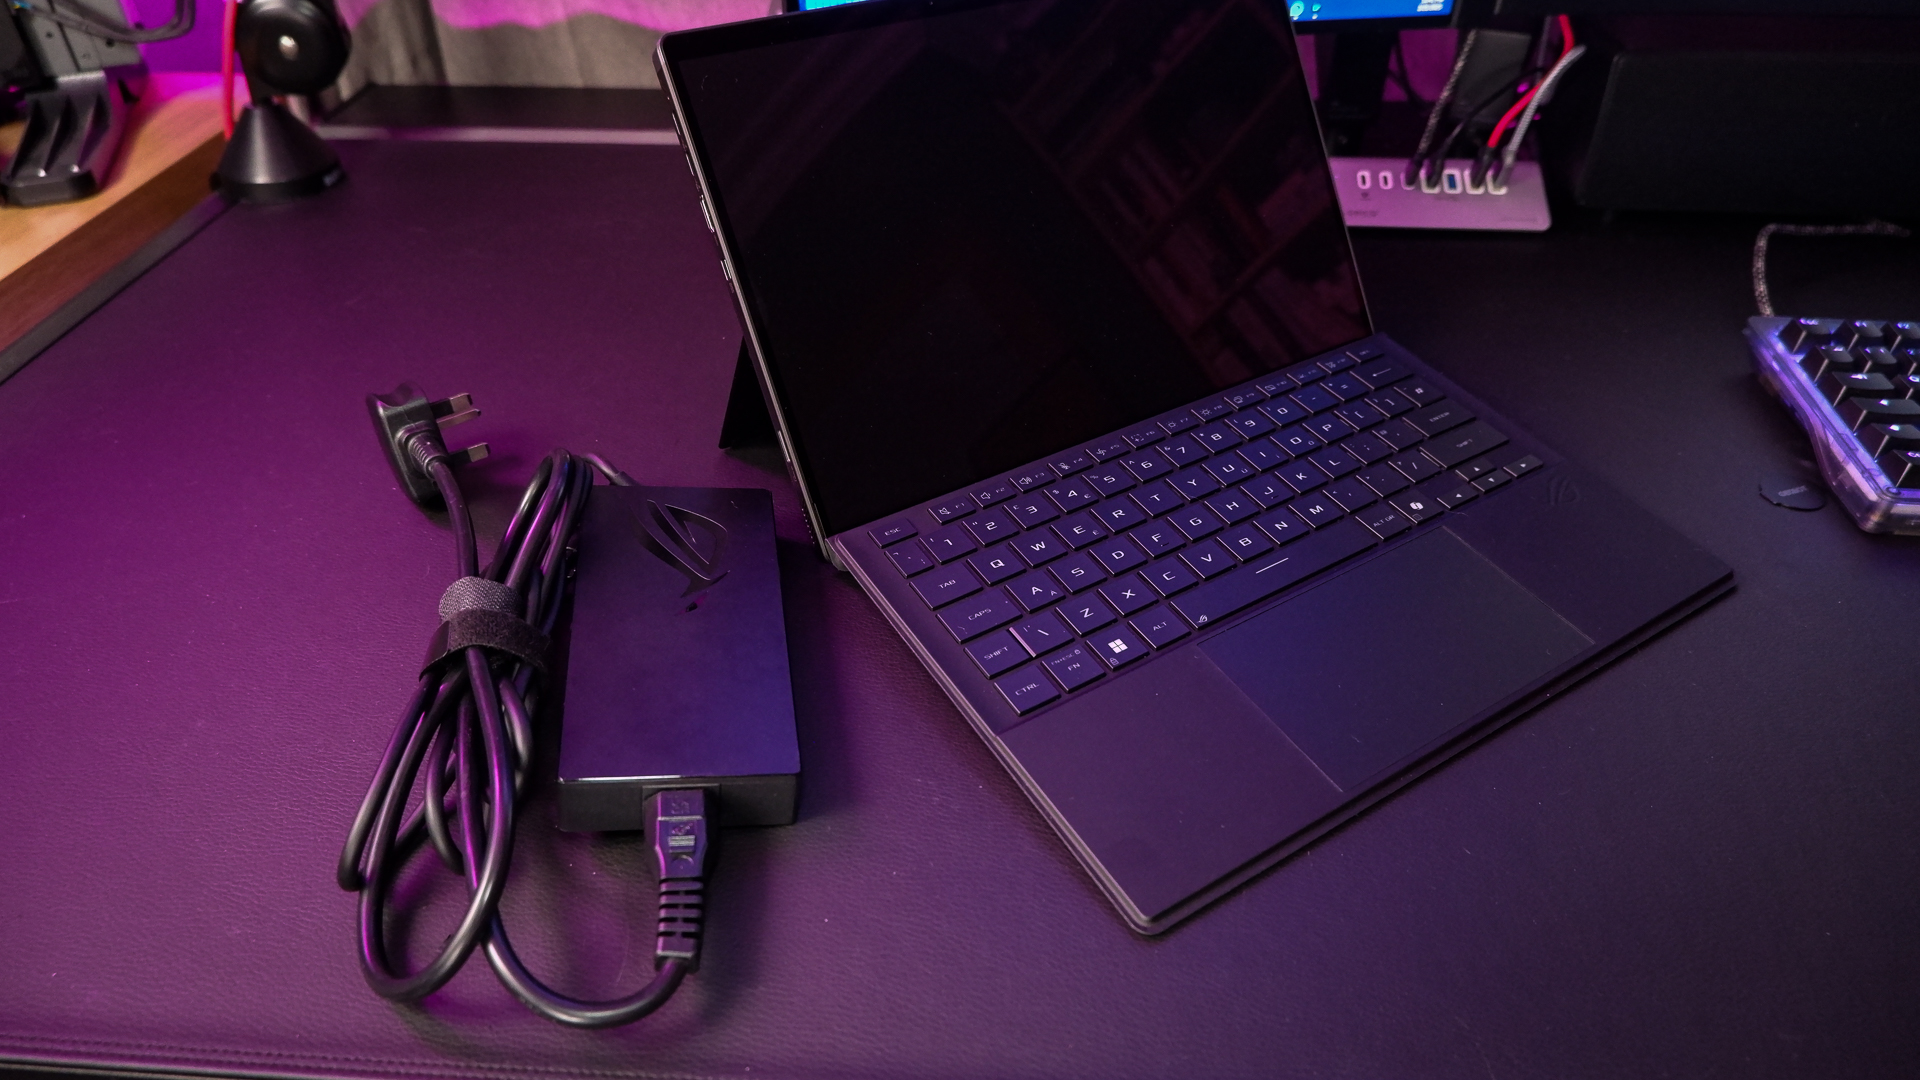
<point>1027,689</point>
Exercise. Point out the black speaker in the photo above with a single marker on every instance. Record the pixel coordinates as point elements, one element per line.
<point>286,47</point>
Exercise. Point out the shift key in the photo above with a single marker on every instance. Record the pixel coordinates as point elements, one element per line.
<point>1462,443</point>
<point>1261,578</point>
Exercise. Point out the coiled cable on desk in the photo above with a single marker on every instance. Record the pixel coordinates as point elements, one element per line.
<point>468,725</point>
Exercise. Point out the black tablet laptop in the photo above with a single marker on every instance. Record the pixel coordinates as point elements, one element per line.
<point>1055,314</point>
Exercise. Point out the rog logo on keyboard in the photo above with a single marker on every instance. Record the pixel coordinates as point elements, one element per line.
<point>690,543</point>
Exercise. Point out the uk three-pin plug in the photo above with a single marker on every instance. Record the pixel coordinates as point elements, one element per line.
<point>409,427</point>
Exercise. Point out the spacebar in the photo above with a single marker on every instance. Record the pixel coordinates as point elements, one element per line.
<point>1270,573</point>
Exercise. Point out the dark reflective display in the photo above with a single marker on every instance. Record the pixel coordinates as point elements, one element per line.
<point>970,234</point>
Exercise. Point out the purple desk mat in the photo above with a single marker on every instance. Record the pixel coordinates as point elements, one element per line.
<point>213,598</point>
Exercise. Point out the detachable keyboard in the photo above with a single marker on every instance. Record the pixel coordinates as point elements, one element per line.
<point>1064,571</point>
<point>1855,388</point>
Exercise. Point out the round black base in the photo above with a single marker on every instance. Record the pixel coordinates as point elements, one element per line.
<point>281,191</point>
<point>273,157</point>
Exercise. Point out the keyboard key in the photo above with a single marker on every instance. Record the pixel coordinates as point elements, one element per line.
<point>1492,480</point>
<point>1274,385</point>
<point>1880,438</point>
<point>1027,689</point>
<point>1522,466</point>
<point>1119,515</point>
<point>953,509</point>
<point>1080,529</point>
<point>1245,397</point>
<point>1334,461</point>
<point>1283,525</point>
<point>1109,479</point>
<point>1368,447</point>
<point>1043,633</point>
<point>1208,559</point>
<point>1072,494</point>
<point>1417,391</point>
<point>1346,386</point>
<point>1118,554</point>
<point>1336,362</point>
<point>1302,476</point>
<point>1867,332</point>
<point>1820,362</point>
<point>1474,470</point>
<point>1261,454</point>
<point>1902,467</point>
<point>1218,436</point>
<point>1039,547</point>
<point>1031,510</point>
<point>1471,440</point>
<point>1233,507</point>
<point>1380,373</point>
<point>1416,506</point>
<point>1194,482</point>
<point>1108,449</point>
<point>1267,492</point>
<point>1297,440</point>
<point>991,527</point>
<point>1178,422</point>
<point>1229,469</point>
<point>1262,578</point>
<point>1246,542</point>
<point>1158,497</point>
<point>1384,520</point>
<point>944,586</point>
<point>993,492</point>
<point>1314,399</point>
<point>1077,571</point>
<point>1213,410</point>
<point>1128,594</point>
<point>997,653</point>
<point>1859,412</point>
<point>1074,668</point>
<point>1146,466</point>
<point>1435,419</point>
<point>1388,403</point>
<point>1413,465</point>
<point>1118,646</point>
<point>1316,510</point>
<point>1182,451</point>
<point>1350,494</point>
<point>1195,522</point>
<point>1169,576</point>
<point>1283,411</point>
<point>1070,462</point>
<point>1399,434</point>
<point>1305,372</point>
<point>949,542</point>
<point>1160,626</point>
<point>1158,538</point>
<point>1036,589</point>
<point>1808,333</point>
<point>1250,424</point>
<point>1359,415</point>
<point>892,532</point>
<point>1039,476</point>
<point>1144,434</point>
<point>1457,494</point>
<point>910,559</point>
<point>1328,428</point>
<point>1087,614</point>
<point>978,614</point>
<point>996,564</point>
<point>1384,480</point>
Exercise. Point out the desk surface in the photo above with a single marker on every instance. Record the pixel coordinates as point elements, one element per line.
<point>1700,862</point>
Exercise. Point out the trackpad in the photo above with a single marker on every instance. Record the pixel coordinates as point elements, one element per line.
<point>1382,662</point>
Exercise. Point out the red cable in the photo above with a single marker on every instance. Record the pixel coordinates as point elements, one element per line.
<point>226,67</point>
<point>1499,129</point>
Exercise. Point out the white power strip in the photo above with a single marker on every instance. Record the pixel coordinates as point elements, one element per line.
<point>1373,194</point>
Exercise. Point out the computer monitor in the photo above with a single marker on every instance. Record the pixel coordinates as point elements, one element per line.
<point>1304,12</point>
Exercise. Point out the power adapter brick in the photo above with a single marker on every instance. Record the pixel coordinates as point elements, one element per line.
<point>678,674</point>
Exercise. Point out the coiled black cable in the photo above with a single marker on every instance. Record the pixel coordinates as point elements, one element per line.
<point>468,727</point>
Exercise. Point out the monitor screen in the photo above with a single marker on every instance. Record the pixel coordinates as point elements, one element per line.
<point>1301,10</point>
<point>968,235</point>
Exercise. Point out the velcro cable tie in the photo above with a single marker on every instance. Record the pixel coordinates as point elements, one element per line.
<point>483,612</point>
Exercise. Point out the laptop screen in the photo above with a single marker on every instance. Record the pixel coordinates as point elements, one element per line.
<point>971,233</point>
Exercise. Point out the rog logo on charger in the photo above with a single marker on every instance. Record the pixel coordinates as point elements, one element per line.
<point>690,543</point>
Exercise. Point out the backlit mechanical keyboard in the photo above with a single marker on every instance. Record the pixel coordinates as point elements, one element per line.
<point>1855,387</point>
<point>1069,570</point>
